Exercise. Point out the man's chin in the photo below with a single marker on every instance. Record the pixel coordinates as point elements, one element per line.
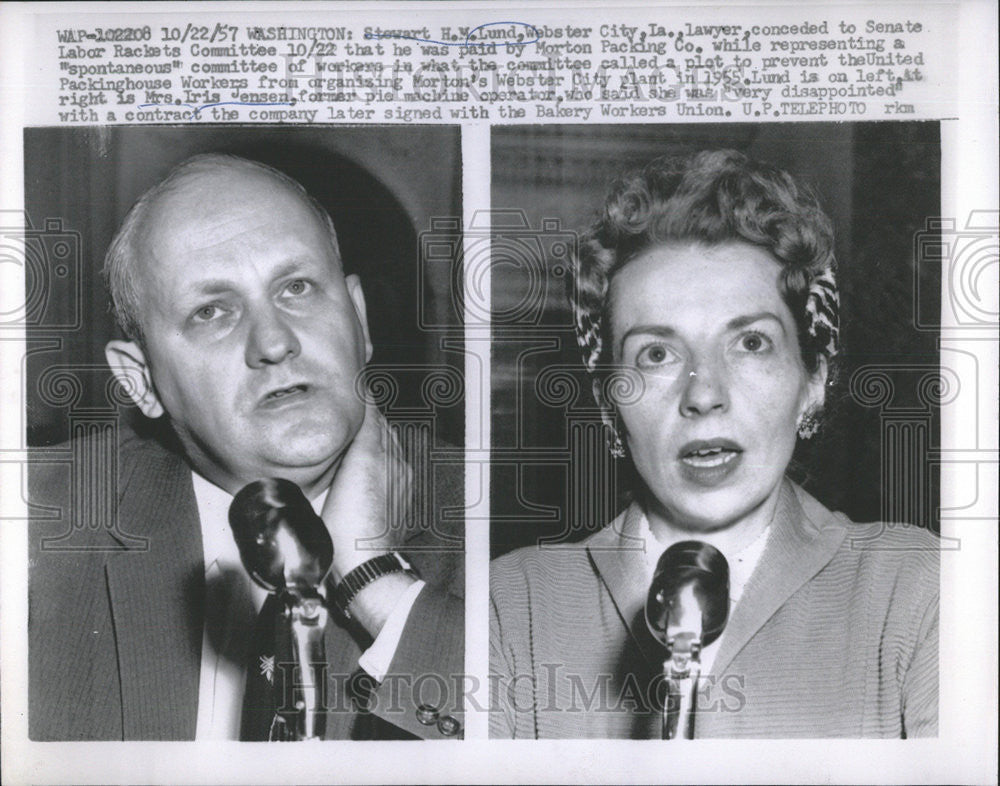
<point>306,459</point>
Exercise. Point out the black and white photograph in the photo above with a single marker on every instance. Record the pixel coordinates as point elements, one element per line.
<point>246,476</point>
<point>725,525</point>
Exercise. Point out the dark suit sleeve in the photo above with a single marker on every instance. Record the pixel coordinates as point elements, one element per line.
<point>427,669</point>
<point>73,686</point>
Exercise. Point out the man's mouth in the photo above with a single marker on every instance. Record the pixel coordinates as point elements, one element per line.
<point>280,395</point>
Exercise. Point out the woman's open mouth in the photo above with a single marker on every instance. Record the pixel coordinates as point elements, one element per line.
<point>709,462</point>
<point>713,457</point>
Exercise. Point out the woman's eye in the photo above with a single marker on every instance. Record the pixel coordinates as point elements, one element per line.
<point>755,342</point>
<point>653,355</point>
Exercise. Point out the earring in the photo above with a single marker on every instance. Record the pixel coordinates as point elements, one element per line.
<point>616,446</point>
<point>808,425</point>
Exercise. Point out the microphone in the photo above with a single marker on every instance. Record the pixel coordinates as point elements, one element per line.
<point>687,608</point>
<point>287,550</point>
<point>283,544</point>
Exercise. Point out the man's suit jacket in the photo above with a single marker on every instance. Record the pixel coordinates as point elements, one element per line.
<point>115,628</point>
<point>835,635</point>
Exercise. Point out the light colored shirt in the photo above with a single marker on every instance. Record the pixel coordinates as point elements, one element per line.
<point>741,567</point>
<point>232,603</point>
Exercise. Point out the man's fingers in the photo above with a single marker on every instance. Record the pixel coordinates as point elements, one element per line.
<point>372,431</point>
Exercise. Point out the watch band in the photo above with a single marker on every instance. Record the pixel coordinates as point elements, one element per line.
<point>364,574</point>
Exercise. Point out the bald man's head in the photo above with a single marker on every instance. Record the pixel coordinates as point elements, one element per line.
<point>245,331</point>
<point>196,181</point>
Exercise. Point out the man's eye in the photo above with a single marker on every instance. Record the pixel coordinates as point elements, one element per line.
<point>298,287</point>
<point>207,313</point>
<point>654,355</point>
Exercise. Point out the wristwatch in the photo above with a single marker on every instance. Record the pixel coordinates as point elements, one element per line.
<point>365,573</point>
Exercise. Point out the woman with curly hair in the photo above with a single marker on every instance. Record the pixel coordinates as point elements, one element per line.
<point>707,312</point>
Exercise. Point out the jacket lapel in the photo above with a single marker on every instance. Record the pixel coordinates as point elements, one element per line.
<point>617,554</point>
<point>157,597</point>
<point>801,543</point>
<point>804,538</point>
<point>342,654</point>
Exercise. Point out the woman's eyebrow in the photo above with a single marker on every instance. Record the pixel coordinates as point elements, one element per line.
<point>664,331</point>
<point>741,322</point>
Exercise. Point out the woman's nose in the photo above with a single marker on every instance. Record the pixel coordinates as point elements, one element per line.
<point>271,339</point>
<point>705,390</point>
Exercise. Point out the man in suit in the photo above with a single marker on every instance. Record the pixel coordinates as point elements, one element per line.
<point>244,342</point>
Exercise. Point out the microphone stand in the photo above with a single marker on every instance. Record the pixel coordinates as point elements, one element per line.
<point>687,607</point>
<point>307,618</point>
<point>681,670</point>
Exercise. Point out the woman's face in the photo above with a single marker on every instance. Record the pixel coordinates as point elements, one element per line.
<point>724,386</point>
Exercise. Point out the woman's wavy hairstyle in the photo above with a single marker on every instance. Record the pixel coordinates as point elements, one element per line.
<point>711,197</point>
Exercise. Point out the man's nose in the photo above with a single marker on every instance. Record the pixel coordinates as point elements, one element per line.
<point>271,339</point>
<point>706,389</point>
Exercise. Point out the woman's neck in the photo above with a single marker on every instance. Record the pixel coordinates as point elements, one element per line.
<point>729,538</point>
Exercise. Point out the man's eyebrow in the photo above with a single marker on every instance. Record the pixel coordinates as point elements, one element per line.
<point>208,286</point>
<point>218,286</point>
<point>290,267</point>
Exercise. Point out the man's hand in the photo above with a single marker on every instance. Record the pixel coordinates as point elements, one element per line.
<point>367,512</point>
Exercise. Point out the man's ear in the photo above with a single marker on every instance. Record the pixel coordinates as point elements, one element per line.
<point>358,297</point>
<point>128,364</point>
